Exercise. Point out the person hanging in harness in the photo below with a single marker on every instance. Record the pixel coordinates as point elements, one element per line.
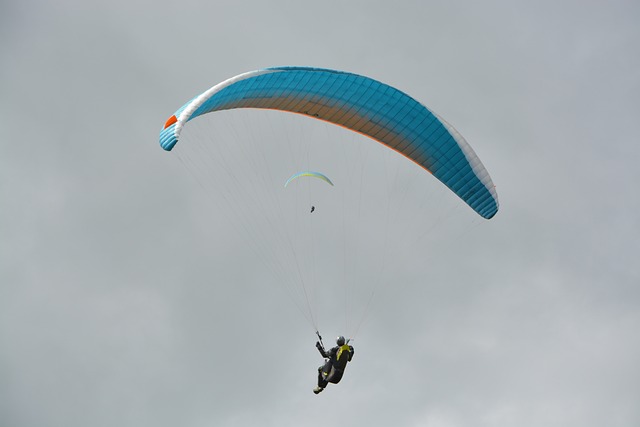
<point>335,363</point>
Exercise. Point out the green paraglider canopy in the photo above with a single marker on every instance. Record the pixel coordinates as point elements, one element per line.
<point>311,174</point>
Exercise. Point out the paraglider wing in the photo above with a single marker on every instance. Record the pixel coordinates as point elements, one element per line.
<point>358,103</point>
<point>311,174</point>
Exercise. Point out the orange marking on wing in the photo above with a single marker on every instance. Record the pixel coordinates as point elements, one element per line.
<point>170,121</point>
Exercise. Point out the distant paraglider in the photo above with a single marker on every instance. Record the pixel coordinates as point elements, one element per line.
<point>318,175</point>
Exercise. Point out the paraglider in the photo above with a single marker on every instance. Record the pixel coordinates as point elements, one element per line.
<point>318,175</point>
<point>336,360</point>
<point>364,106</point>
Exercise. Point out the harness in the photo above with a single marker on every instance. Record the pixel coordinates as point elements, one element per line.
<point>342,349</point>
<point>333,371</point>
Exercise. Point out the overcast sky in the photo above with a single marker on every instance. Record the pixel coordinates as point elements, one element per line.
<point>126,300</point>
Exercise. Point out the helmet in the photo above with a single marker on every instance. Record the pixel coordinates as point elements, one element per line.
<point>340,340</point>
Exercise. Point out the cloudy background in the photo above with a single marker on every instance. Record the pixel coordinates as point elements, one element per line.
<point>123,303</point>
